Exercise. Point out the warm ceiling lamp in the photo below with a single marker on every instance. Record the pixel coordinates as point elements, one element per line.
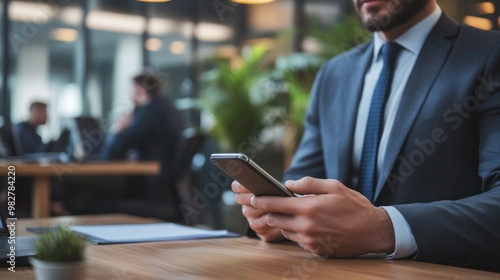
<point>213,32</point>
<point>485,8</point>
<point>481,23</point>
<point>177,47</point>
<point>252,2</point>
<point>64,35</point>
<point>153,44</point>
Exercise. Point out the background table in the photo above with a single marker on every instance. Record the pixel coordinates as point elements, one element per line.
<point>232,258</point>
<point>41,173</point>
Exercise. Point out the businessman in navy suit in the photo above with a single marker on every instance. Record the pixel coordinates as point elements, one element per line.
<point>152,133</point>
<point>424,184</point>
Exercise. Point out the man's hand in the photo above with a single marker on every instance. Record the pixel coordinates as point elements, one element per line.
<point>256,218</point>
<point>334,221</point>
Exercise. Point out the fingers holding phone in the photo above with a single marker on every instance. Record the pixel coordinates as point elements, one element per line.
<point>256,218</point>
<point>250,180</point>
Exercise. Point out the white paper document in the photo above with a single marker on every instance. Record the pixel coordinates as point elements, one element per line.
<point>109,234</point>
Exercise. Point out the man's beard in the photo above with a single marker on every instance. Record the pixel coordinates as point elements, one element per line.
<point>400,12</point>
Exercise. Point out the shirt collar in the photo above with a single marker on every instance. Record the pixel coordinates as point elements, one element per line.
<point>414,38</point>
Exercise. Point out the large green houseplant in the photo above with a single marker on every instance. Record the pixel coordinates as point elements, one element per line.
<point>245,96</point>
<point>297,71</point>
<point>240,112</point>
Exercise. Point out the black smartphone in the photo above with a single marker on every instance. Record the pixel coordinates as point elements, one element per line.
<point>250,175</point>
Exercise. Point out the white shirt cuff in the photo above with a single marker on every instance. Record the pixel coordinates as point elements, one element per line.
<point>405,241</point>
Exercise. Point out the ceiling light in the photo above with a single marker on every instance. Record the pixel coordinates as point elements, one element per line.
<point>478,22</point>
<point>64,34</point>
<point>71,15</point>
<point>212,32</point>
<point>485,8</point>
<point>118,22</point>
<point>160,26</point>
<point>252,2</point>
<point>115,22</point>
<point>153,44</point>
<point>177,47</point>
<point>31,12</point>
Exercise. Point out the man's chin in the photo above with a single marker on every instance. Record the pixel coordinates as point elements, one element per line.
<point>377,22</point>
<point>372,26</point>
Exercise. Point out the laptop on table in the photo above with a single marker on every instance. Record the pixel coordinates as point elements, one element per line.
<point>14,250</point>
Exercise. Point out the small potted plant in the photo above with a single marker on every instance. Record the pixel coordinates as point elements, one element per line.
<point>59,255</point>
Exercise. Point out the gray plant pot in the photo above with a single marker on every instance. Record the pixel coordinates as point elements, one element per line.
<point>59,270</point>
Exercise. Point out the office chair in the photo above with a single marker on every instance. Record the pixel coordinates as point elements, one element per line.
<point>88,138</point>
<point>10,141</point>
<point>189,144</point>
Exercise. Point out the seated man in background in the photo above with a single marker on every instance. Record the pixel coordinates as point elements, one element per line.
<point>151,133</point>
<point>31,142</point>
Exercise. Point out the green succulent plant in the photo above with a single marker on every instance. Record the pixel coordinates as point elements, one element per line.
<point>60,245</point>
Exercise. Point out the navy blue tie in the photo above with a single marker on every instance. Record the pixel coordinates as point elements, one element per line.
<point>368,167</point>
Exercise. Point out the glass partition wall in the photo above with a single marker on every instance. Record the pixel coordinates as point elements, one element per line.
<point>42,60</point>
<point>115,40</point>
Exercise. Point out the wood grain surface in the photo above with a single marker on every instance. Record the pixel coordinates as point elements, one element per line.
<point>232,258</point>
<point>84,168</point>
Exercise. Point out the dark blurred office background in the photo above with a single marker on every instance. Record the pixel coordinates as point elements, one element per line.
<point>79,57</point>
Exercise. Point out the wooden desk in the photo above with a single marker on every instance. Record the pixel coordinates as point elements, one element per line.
<point>41,173</point>
<point>232,258</point>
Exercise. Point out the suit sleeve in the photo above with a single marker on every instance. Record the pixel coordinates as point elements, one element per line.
<point>466,232</point>
<point>308,159</point>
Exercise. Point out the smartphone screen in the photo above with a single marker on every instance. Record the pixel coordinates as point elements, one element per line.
<point>250,175</point>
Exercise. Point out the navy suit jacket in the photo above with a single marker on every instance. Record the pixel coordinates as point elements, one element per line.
<point>442,167</point>
<point>31,141</point>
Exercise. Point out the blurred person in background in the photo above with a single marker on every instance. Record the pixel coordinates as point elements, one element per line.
<point>150,133</point>
<point>31,141</point>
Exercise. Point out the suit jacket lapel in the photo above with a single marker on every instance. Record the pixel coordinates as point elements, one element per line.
<point>348,109</point>
<point>429,63</point>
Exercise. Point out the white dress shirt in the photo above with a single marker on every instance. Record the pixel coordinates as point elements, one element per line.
<point>412,42</point>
